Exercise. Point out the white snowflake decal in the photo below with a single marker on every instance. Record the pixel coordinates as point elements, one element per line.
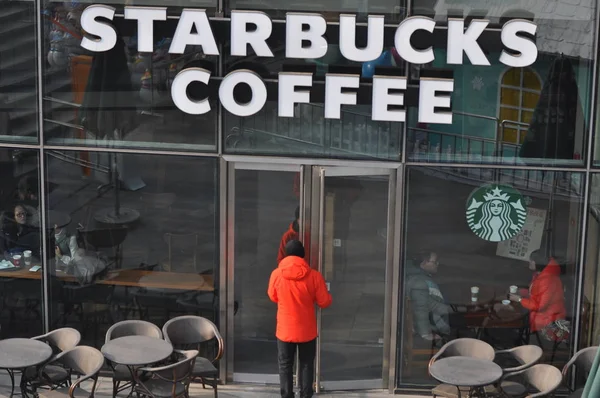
<point>477,83</point>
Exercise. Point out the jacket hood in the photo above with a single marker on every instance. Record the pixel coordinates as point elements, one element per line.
<point>294,268</point>
<point>553,268</point>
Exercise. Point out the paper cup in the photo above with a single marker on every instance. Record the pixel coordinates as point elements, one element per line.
<point>27,257</point>
<point>514,289</point>
<point>16,260</point>
<point>474,290</point>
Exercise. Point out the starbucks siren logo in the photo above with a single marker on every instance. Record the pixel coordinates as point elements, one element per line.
<point>496,212</point>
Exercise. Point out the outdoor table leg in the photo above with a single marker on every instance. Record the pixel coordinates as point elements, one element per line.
<point>11,374</point>
<point>133,371</point>
<point>478,391</point>
<point>23,384</point>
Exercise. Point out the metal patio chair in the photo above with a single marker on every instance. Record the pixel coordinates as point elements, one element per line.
<point>187,332</point>
<point>83,360</point>
<point>121,377</point>
<point>526,356</point>
<point>60,340</point>
<point>170,381</point>
<point>583,361</point>
<point>544,378</point>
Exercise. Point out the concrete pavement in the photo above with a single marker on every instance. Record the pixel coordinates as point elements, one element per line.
<point>104,390</point>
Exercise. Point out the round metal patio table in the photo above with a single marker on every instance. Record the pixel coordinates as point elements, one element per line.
<point>465,372</point>
<point>16,355</point>
<point>136,351</point>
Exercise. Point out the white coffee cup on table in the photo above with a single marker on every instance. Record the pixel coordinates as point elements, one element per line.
<point>474,289</point>
<point>27,257</point>
<point>514,289</point>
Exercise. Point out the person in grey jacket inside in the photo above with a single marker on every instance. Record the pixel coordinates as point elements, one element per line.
<point>430,312</point>
<point>66,248</point>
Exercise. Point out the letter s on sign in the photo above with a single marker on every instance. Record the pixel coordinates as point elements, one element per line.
<point>107,37</point>
<point>511,39</point>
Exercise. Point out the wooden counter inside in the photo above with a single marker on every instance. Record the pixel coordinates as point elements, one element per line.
<point>131,278</point>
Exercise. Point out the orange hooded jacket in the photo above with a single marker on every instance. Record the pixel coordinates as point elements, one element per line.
<point>296,288</point>
<point>546,302</point>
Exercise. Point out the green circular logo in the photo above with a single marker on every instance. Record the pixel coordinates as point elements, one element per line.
<point>496,212</point>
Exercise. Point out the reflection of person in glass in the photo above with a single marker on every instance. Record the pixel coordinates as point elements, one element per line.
<point>17,234</point>
<point>429,311</point>
<point>495,221</point>
<point>291,234</point>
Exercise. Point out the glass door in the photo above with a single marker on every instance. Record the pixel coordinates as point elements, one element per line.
<point>263,205</point>
<point>342,214</point>
<point>352,209</point>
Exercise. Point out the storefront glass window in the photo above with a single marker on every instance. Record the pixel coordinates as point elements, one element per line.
<point>131,175</point>
<point>539,114</point>
<point>265,219</point>
<point>472,236</point>
<point>355,135</point>
<point>591,294</point>
<point>18,73</point>
<point>20,244</point>
<point>131,239</point>
<point>309,133</point>
<point>121,97</point>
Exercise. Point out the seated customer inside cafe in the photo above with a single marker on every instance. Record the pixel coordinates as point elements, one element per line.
<point>17,232</point>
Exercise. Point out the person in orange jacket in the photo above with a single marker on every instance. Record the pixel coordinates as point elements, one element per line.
<point>546,301</point>
<point>296,288</point>
<point>293,233</point>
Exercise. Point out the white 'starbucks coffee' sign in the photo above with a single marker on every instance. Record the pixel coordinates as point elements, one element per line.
<point>496,212</point>
<point>305,38</point>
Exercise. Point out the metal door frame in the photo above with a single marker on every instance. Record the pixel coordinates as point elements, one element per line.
<point>319,174</point>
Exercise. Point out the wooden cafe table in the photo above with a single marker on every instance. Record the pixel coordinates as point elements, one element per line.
<point>130,278</point>
<point>458,296</point>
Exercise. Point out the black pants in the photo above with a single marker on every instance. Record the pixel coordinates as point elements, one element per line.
<point>286,353</point>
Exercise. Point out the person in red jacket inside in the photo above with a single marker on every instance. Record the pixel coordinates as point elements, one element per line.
<point>296,288</point>
<point>546,301</point>
<point>293,233</point>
